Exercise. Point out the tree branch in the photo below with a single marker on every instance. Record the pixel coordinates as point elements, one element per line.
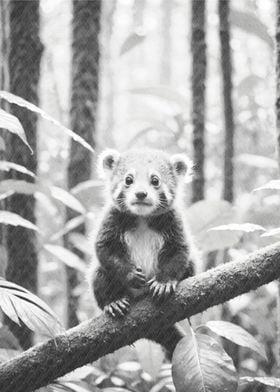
<point>94,338</point>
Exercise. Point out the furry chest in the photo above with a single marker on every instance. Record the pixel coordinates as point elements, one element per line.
<point>144,245</point>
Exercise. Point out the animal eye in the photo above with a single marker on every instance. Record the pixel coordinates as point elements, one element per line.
<point>155,181</point>
<point>128,180</point>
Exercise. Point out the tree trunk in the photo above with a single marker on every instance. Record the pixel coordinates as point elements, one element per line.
<point>228,180</point>
<point>4,85</point>
<point>226,69</point>
<point>198,47</point>
<point>24,65</point>
<point>97,337</point>
<point>277,107</point>
<point>84,100</point>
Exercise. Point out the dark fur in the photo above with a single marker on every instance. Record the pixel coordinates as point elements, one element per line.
<point>116,273</point>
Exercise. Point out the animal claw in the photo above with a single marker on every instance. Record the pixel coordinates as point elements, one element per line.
<point>161,290</point>
<point>118,308</point>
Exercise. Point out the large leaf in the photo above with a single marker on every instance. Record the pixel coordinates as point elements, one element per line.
<point>151,356</point>
<point>251,24</point>
<point>271,233</point>
<point>206,214</point>
<point>268,381</point>
<point>69,226</point>
<point>274,185</point>
<point>242,227</point>
<point>237,335</point>
<point>134,39</point>
<point>22,102</point>
<point>7,166</point>
<point>22,306</point>
<point>82,243</point>
<point>200,364</point>
<point>66,256</point>
<point>12,124</point>
<point>258,161</point>
<point>10,218</point>
<point>28,188</point>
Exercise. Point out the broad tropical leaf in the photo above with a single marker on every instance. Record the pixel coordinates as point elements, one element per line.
<point>251,24</point>
<point>258,161</point>
<point>81,242</point>
<point>22,102</point>
<point>21,306</point>
<point>29,188</point>
<point>274,185</point>
<point>269,381</point>
<point>66,256</point>
<point>237,335</point>
<point>69,226</point>
<point>272,233</point>
<point>7,166</point>
<point>66,198</point>
<point>12,124</point>
<point>200,364</point>
<point>134,39</point>
<point>10,218</point>
<point>243,227</point>
<point>206,214</point>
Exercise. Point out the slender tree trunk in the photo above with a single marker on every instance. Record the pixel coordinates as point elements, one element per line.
<point>198,46</point>
<point>226,68</point>
<point>84,100</point>
<point>228,181</point>
<point>24,63</point>
<point>277,107</point>
<point>4,85</point>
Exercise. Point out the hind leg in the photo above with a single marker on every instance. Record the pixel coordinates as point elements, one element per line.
<point>110,294</point>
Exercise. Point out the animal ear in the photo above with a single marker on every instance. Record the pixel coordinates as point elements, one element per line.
<point>181,164</point>
<point>107,161</point>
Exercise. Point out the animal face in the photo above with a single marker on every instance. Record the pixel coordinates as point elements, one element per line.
<point>143,182</point>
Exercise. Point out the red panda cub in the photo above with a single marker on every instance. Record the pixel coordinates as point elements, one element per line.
<point>142,243</point>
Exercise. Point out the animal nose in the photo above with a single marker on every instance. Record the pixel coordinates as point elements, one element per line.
<point>141,195</point>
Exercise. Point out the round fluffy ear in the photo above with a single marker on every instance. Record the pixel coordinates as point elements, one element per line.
<point>106,162</point>
<point>181,164</point>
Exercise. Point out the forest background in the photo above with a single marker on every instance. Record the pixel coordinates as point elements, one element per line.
<point>195,77</point>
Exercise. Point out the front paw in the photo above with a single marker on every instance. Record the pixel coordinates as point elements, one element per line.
<point>161,290</point>
<point>136,278</point>
<point>117,309</point>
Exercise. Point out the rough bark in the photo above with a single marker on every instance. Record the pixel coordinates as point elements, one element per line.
<point>4,85</point>
<point>277,104</point>
<point>24,66</point>
<point>95,338</point>
<point>226,69</point>
<point>198,46</point>
<point>84,100</point>
<point>277,107</point>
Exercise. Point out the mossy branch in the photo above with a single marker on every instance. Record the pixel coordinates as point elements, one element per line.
<point>94,338</point>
